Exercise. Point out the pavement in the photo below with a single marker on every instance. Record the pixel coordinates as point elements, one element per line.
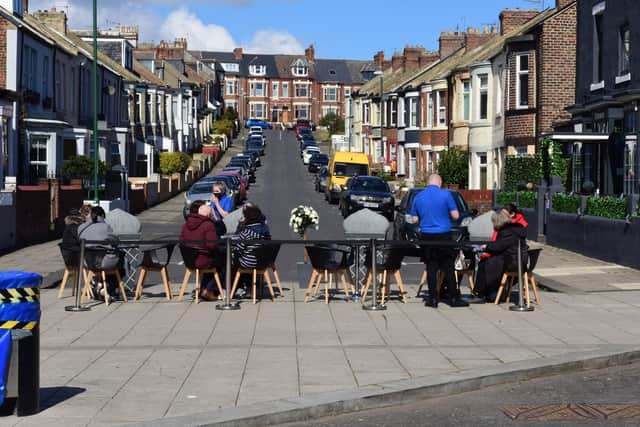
<point>178,363</point>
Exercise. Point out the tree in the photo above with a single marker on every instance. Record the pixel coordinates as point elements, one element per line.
<point>177,162</point>
<point>334,122</point>
<point>229,114</point>
<point>454,167</point>
<point>223,126</point>
<point>81,167</point>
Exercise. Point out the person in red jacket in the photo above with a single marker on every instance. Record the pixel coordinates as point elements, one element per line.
<point>516,218</point>
<point>199,226</point>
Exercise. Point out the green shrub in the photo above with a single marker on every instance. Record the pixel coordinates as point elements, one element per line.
<point>171,163</point>
<point>454,167</point>
<point>333,122</point>
<point>505,197</point>
<point>607,207</point>
<point>520,170</point>
<point>567,203</point>
<point>553,162</point>
<point>525,199</point>
<point>223,126</point>
<point>81,167</point>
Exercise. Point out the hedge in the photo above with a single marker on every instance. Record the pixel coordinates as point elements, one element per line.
<point>520,169</point>
<point>526,199</point>
<point>567,203</point>
<point>607,207</point>
<point>171,163</point>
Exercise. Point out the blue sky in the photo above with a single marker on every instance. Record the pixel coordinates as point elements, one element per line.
<point>338,28</point>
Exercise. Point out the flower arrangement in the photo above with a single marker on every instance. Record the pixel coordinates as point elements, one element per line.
<point>302,218</point>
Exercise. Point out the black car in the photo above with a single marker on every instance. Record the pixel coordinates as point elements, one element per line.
<point>255,155</point>
<point>369,192</point>
<point>404,229</point>
<point>321,179</point>
<point>246,164</point>
<point>248,158</point>
<point>306,145</point>
<point>254,146</point>
<point>317,161</point>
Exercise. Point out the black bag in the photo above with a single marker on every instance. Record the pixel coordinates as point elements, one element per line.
<point>221,229</point>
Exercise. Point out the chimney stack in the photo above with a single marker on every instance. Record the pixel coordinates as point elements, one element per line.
<point>310,53</point>
<point>378,58</point>
<point>475,37</point>
<point>562,3</point>
<point>237,52</point>
<point>450,42</point>
<point>510,19</point>
<point>52,19</point>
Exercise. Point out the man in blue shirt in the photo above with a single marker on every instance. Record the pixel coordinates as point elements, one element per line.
<point>434,208</point>
<point>221,204</point>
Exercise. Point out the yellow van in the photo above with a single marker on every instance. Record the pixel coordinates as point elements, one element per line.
<point>342,166</point>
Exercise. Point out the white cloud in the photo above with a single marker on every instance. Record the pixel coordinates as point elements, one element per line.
<point>200,36</point>
<point>270,41</point>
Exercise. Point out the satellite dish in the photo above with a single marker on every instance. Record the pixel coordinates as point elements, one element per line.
<point>109,90</point>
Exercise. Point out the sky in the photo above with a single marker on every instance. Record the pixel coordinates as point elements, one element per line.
<point>352,29</point>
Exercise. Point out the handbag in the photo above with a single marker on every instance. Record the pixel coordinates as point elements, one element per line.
<point>461,263</point>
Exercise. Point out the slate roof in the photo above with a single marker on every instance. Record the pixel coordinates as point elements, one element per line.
<point>146,74</point>
<point>256,59</point>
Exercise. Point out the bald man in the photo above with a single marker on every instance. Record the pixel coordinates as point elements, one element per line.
<point>434,208</point>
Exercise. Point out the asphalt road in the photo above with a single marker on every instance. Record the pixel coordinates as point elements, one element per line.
<point>614,391</point>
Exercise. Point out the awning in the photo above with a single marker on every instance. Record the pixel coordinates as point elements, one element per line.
<point>577,136</point>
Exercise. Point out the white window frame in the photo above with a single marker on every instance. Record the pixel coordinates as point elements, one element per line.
<point>326,109</point>
<point>622,69</point>
<point>46,138</point>
<point>300,70</point>
<point>301,85</point>
<point>231,67</point>
<point>393,112</point>
<point>285,90</point>
<point>430,113</point>
<point>275,90</point>
<point>466,100</point>
<point>401,106</point>
<point>253,90</point>
<point>330,93</point>
<point>257,69</point>
<point>499,91</point>
<point>483,89</point>
<point>519,73</point>
<point>253,110</point>
<point>413,112</point>
<point>347,92</point>
<point>366,113</point>
<point>231,84</point>
<point>442,108</point>
<point>298,108</point>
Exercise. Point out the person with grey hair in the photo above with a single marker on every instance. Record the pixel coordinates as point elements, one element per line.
<point>221,203</point>
<point>504,255</point>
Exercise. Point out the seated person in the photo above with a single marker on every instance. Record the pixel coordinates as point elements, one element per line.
<point>70,244</point>
<point>253,226</point>
<point>221,204</point>
<point>504,254</point>
<point>200,227</point>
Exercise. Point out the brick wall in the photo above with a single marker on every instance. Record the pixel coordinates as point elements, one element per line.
<point>513,18</point>
<point>557,61</point>
<point>482,200</point>
<point>4,25</point>
<point>519,129</point>
<point>32,214</point>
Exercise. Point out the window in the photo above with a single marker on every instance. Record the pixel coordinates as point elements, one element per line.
<point>393,111</point>
<point>285,90</point>
<point>258,70</point>
<point>232,87</point>
<point>38,156</point>
<point>522,152</point>
<point>29,72</point>
<point>147,110</point>
<point>466,100</point>
<point>483,96</point>
<point>522,84</point>
<point>138,108</point>
<point>302,90</point>
<point>329,110</point>
<point>301,111</point>
<point>598,48</point>
<point>300,70</point>
<point>230,67</point>
<point>275,89</point>
<point>257,111</point>
<point>256,89</point>
<point>330,94</point>
<point>115,153</point>
<point>624,50</point>
<point>366,113</point>
<point>430,111</point>
<point>499,92</point>
<point>482,163</point>
<point>232,105</point>
<point>347,92</point>
<point>159,113</point>
<point>413,112</point>
<point>442,109</point>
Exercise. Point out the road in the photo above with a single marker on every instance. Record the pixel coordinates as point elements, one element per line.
<point>614,391</point>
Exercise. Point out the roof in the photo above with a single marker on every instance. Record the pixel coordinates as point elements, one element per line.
<point>172,76</point>
<point>147,54</point>
<point>59,39</point>
<point>330,70</point>
<point>217,56</point>
<point>146,75</point>
<point>267,60</point>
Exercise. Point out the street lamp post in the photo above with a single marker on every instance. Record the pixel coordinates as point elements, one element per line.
<point>96,197</point>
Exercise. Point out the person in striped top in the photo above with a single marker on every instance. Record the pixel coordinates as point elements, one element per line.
<point>253,226</point>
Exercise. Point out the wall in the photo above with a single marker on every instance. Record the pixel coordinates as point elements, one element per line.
<point>482,200</point>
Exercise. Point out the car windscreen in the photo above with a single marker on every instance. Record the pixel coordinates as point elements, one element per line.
<point>320,158</point>
<point>202,188</point>
<point>370,185</point>
<point>350,169</point>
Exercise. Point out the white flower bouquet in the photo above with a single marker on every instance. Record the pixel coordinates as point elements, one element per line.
<point>302,218</point>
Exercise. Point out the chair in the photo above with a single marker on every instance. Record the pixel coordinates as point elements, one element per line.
<point>529,279</point>
<point>94,264</point>
<point>151,262</point>
<point>71,260</point>
<point>388,263</point>
<point>328,260</point>
<point>276,250</point>
<point>266,256</point>
<point>189,256</point>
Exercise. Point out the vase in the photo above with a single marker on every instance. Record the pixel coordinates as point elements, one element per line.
<point>304,248</point>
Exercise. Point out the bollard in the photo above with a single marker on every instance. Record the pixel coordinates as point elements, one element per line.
<point>227,306</point>
<point>374,277</point>
<point>521,307</point>
<point>78,307</point>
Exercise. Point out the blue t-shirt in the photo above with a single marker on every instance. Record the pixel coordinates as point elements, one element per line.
<point>432,206</point>
<point>225,203</point>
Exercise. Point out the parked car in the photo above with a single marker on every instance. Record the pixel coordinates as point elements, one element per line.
<point>242,170</point>
<point>233,183</point>
<point>254,145</point>
<point>256,135</point>
<point>370,192</point>
<point>258,123</point>
<point>404,229</point>
<point>256,129</point>
<point>321,179</point>
<point>246,164</point>
<point>302,132</point>
<point>308,152</point>
<point>256,156</point>
<point>307,145</point>
<point>318,160</point>
<point>342,166</point>
<point>303,123</point>
<point>306,138</point>
<point>203,189</point>
<point>239,182</point>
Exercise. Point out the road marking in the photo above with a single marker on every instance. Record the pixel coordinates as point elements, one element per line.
<point>572,412</point>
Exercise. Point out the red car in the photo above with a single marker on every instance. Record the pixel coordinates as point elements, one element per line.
<point>243,182</point>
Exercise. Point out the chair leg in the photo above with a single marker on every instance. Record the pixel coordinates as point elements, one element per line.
<point>277,277</point>
<point>183,287</point>
<point>344,283</point>
<point>398,278</point>
<point>525,285</point>
<point>503,282</point>
<point>87,283</point>
<point>198,274</point>
<point>326,288</point>
<point>534,287</point>
<point>267,277</point>
<point>368,280</point>
<point>510,287</point>
<point>235,284</point>
<point>123,291</point>
<point>326,279</point>
<point>167,284</point>
<point>383,288</point>
<point>65,277</point>
<point>104,285</point>
<point>310,287</point>
<point>423,280</point>
<point>140,284</point>
<point>216,276</point>
<point>472,284</point>
<point>253,285</point>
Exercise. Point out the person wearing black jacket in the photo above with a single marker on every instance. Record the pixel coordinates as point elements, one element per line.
<point>504,254</point>
<point>70,244</point>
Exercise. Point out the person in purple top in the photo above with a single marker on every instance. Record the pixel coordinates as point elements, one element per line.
<point>434,208</point>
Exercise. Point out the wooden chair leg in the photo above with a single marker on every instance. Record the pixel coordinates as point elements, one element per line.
<point>383,288</point>
<point>267,277</point>
<point>423,280</point>
<point>167,284</point>
<point>216,277</point>
<point>310,287</point>
<point>525,285</point>
<point>198,286</point>
<point>472,284</point>
<point>183,287</point>
<point>368,280</point>
<point>104,286</point>
<point>253,285</point>
<point>534,287</point>
<point>140,284</point>
<point>510,287</point>
<point>123,291</point>
<point>277,277</point>
<point>326,288</point>
<point>503,282</point>
<point>403,293</point>
<point>326,279</point>
<point>87,283</point>
<point>344,284</point>
<point>236,279</point>
<point>65,277</point>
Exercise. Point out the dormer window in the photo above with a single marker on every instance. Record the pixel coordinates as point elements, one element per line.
<point>300,69</point>
<point>258,70</point>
